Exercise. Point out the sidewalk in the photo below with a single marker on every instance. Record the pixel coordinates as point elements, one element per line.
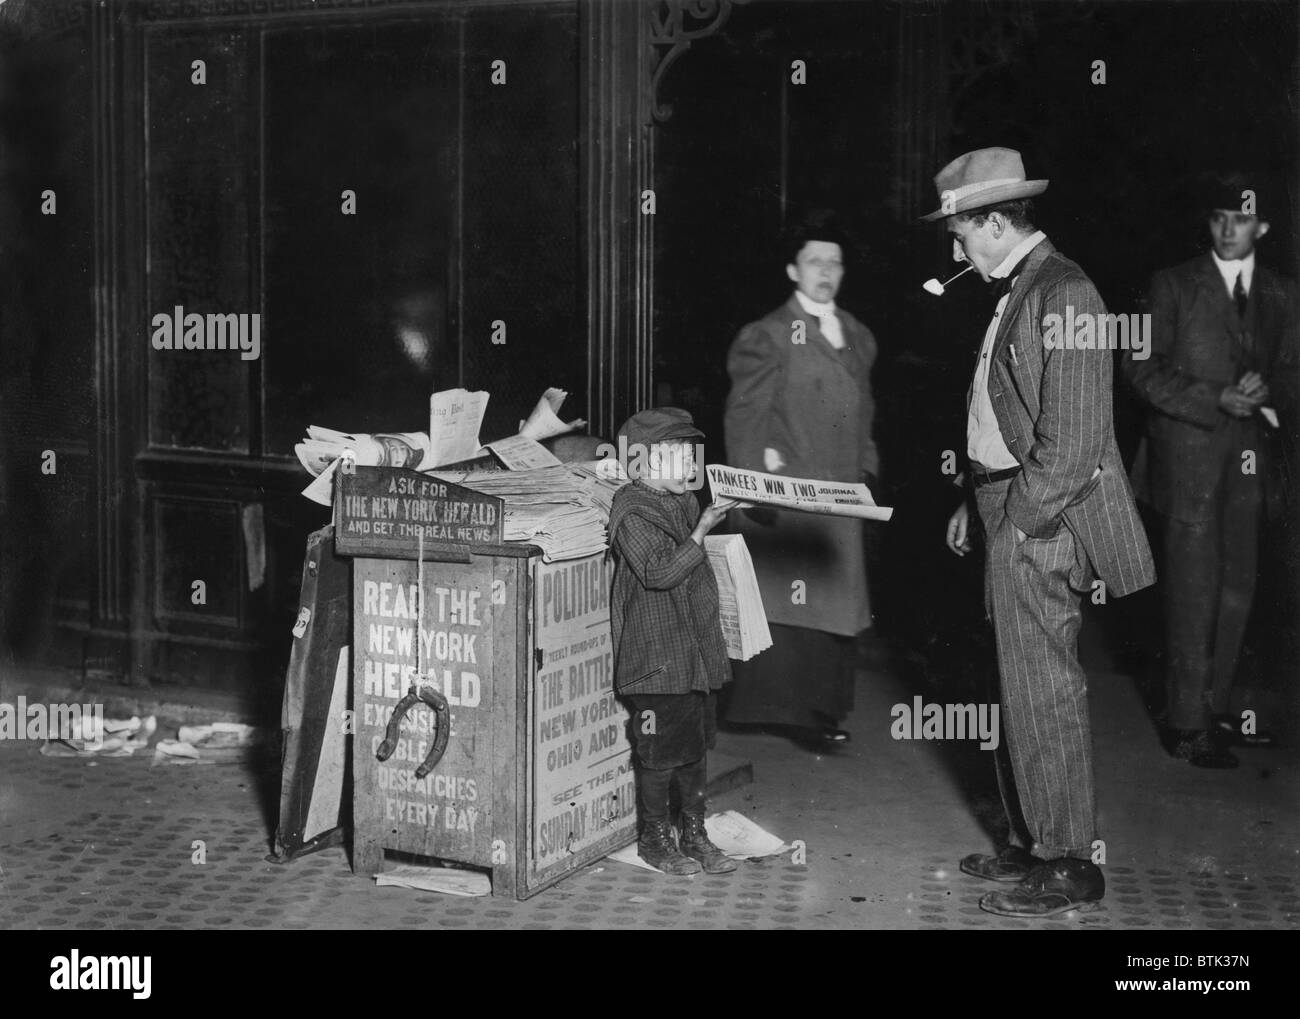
<point>108,843</point>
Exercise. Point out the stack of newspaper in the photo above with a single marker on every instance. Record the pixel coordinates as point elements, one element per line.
<point>600,480</point>
<point>744,623</point>
<point>563,510</point>
<point>455,417</point>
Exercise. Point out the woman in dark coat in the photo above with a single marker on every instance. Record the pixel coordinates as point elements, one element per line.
<point>800,405</point>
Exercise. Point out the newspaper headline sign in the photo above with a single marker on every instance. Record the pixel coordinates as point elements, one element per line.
<point>387,511</point>
<point>444,629</point>
<point>837,498</point>
<point>584,788</point>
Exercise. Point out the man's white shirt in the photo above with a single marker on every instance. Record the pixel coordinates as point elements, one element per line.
<point>1230,270</point>
<point>984,443</point>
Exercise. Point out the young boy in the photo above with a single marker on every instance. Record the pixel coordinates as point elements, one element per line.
<point>669,655</point>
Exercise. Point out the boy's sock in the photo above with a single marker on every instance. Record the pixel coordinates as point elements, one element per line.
<point>691,782</point>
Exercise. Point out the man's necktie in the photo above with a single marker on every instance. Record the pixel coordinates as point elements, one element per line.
<point>1239,295</point>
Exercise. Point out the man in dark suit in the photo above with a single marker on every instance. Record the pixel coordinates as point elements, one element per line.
<point>1221,387</point>
<point>1058,518</point>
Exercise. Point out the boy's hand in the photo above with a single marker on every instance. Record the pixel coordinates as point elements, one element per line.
<point>712,515</point>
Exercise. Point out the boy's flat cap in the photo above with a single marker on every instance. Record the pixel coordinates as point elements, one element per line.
<point>659,424</point>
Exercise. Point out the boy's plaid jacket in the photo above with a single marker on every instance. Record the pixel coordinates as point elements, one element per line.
<point>663,610</point>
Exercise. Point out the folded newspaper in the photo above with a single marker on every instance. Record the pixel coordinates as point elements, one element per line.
<point>838,498</point>
<point>744,623</point>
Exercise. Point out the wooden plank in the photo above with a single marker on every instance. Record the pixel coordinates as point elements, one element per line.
<point>448,814</point>
<point>391,512</point>
<point>581,786</point>
<point>509,650</point>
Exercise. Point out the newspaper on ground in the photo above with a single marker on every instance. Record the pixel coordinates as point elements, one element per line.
<point>807,495</point>
<point>448,880</point>
<point>174,751</point>
<point>744,623</point>
<point>116,737</point>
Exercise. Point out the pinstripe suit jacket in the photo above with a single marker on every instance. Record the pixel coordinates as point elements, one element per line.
<point>1054,409</point>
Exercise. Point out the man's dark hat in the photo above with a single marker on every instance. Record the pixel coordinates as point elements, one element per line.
<point>659,424</point>
<point>1249,192</point>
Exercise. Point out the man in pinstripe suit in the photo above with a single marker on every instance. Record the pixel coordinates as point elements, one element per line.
<point>1058,519</point>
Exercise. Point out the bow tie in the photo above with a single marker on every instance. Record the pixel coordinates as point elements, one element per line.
<point>1005,284</point>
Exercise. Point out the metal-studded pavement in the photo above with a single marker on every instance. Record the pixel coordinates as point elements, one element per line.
<point>110,843</point>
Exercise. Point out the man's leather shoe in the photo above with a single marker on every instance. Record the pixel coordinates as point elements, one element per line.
<point>1056,886</point>
<point>817,739</point>
<point>1011,864</point>
<point>1199,747</point>
<point>1228,729</point>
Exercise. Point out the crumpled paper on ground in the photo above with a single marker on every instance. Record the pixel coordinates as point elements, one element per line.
<point>447,880</point>
<point>174,751</point>
<point>219,735</point>
<point>118,737</point>
<point>215,743</point>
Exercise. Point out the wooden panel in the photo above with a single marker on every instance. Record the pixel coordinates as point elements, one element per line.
<point>581,788</point>
<point>510,669</point>
<point>449,814</point>
<point>45,564</point>
<point>200,161</point>
<point>47,381</point>
<point>197,539</point>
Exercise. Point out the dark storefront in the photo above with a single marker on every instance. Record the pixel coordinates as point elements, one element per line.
<point>497,155</point>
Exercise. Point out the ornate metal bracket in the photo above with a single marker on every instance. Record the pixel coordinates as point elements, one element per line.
<point>671,35</point>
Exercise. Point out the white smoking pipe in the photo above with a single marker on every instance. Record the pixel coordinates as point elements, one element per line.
<point>933,286</point>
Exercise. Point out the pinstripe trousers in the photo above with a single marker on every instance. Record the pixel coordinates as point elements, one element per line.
<point>1045,771</point>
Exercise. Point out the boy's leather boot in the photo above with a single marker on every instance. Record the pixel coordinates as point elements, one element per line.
<point>696,844</point>
<point>658,847</point>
